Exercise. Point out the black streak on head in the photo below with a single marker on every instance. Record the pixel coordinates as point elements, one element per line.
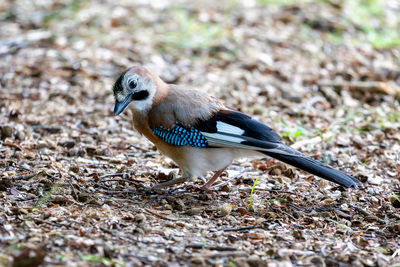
<point>141,95</point>
<point>118,83</point>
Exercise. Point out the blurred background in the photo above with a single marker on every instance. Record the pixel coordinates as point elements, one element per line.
<point>324,73</point>
<point>280,59</point>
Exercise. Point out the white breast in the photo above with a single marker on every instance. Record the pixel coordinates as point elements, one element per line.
<point>198,161</point>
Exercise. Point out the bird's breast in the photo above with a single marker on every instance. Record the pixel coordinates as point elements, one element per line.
<point>198,161</point>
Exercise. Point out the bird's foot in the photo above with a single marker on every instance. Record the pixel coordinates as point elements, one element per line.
<point>206,186</point>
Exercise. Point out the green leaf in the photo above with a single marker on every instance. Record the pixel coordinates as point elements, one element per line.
<point>251,194</point>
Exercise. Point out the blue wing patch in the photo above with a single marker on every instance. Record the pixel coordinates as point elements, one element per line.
<point>180,136</point>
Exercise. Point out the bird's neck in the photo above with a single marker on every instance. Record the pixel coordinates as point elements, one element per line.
<point>162,91</point>
<point>141,124</point>
<point>141,117</point>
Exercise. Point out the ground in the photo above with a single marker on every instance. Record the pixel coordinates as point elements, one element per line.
<point>73,177</point>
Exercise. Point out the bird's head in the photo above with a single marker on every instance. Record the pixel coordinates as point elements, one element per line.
<point>135,87</point>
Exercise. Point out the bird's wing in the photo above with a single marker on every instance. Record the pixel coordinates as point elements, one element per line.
<point>229,128</point>
<point>225,128</point>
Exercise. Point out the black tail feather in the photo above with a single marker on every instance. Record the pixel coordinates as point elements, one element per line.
<point>317,168</point>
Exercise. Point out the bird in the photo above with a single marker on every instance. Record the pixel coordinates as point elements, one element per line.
<point>200,134</point>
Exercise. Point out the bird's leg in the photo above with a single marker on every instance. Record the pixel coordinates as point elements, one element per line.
<point>213,179</point>
<point>185,176</point>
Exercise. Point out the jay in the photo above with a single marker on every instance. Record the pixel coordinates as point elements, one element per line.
<point>200,134</point>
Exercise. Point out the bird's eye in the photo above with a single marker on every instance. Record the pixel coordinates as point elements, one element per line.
<point>132,84</point>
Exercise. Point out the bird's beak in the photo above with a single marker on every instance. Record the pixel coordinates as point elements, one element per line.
<point>120,106</point>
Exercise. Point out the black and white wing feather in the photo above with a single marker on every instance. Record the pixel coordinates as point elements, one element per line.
<point>229,128</point>
<point>233,129</point>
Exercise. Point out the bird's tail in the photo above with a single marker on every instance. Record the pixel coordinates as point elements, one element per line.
<point>315,167</point>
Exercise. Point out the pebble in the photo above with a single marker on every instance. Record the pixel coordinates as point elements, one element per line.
<point>138,231</point>
<point>83,197</point>
<point>67,143</point>
<point>139,218</point>
<point>197,261</point>
<point>179,205</point>
<point>253,260</point>
<point>275,172</point>
<point>20,135</point>
<point>284,180</point>
<point>395,202</point>
<point>6,131</point>
<point>194,211</point>
<point>375,180</point>
<point>291,173</point>
<point>74,168</point>
<point>225,209</point>
<point>396,228</point>
<point>5,184</point>
<point>76,152</point>
<point>168,207</point>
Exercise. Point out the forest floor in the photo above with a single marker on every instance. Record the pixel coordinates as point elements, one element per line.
<point>323,74</point>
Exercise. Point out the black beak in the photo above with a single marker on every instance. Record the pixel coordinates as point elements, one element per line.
<point>120,106</point>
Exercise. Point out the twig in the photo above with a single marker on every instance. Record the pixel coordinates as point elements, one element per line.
<point>365,86</point>
<point>127,238</point>
<point>48,222</point>
<point>294,206</point>
<point>96,164</point>
<point>138,147</point>
<point>342,214</point>
<point>366,213</point>
<point>227,181</point>
<point>133,181</point>
<point>30,182</point>
<point>124,199</point>
<point>224,254</point>
<point>160,215</point>
<point>113,175</point>
<point>141,154</point>
<point>73,189</point>
<point>22,167</point>
<point>12,145</point>
<point>242,228</point>
<point>204,246</point>
<point>112,192</point>
<point>25,176</point>
<point>248,189</point>
<point>48,128</point>
<point>284,212</point>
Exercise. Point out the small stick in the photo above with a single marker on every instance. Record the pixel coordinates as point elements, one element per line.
<point>141,154</point>
<point>248,189</point>
<point>366,213</point>
<point>114,191</point>
<point>203,246</point>
<point>48,222</point>
<point>242,228</point>
<point>73,190</point>
<point>48,128</point>
<point>365,86</point>
<point>113,175</point>
<point>160,215</point>
<point>25,176</point>
<point>12,145</point>
<point>223,254</point>
<point>120,180</point>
